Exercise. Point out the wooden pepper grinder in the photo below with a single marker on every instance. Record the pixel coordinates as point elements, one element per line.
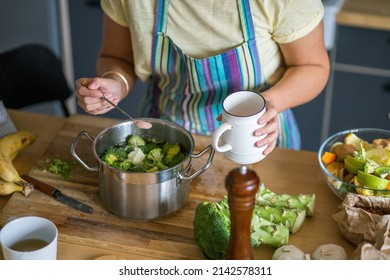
<point>242,185</point>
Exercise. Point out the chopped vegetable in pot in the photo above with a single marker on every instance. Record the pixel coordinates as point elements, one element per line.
<point>138,154</point>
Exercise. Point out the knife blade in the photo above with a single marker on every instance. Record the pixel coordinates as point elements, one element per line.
<point>57,194</point>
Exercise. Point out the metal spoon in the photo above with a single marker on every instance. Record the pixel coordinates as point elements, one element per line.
<point>139,123</point>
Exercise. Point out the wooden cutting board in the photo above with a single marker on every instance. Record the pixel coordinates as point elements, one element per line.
<point>167,238</point>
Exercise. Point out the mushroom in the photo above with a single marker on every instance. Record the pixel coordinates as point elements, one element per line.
<point>342,150</point>
<point>329,252</point>
<point>289,252</point>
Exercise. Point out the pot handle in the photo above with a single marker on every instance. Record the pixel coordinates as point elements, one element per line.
<point>75,155</point>
<point>204,167</point>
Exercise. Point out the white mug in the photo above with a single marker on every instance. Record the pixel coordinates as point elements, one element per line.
<point>240,115</point>
<point>29,238</point>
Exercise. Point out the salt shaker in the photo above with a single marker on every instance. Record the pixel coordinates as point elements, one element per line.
<point>242,185</point>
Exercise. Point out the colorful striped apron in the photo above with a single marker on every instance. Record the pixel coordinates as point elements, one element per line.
<point>190,91</point>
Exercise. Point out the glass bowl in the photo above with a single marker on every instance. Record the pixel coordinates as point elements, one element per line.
<point>342,188</point>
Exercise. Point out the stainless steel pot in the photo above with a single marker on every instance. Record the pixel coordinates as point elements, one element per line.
<point>143,196</point>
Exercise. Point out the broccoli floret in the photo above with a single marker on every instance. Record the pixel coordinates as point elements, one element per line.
<point>176,160</point>
<point>123,165</point>
<point>149,146</point>
<point>135,141</point>
<point>158,167</point>
<point>109,159</point>
<point>153,169</point>
<point>171,149</point>
<point>173,154</point>
<point>155,155</point>
<point>212,229</point>
<point>161,166</point>
<point>136,157</point>
<point>114,154</point>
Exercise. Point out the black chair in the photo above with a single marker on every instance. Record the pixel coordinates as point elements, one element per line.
<point>32,74</point>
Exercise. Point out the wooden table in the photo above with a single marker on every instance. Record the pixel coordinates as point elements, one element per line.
<point>89,236</point>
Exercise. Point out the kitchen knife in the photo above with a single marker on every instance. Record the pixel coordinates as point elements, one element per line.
<point>49,190</point>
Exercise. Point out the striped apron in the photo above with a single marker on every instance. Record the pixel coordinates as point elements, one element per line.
<point>190,91</point>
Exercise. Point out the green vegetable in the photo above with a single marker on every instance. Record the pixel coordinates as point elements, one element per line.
<point>137,154</point>
<point>274,217</point>
<point>114,154</point>
<point>353,164</point>
<point>268,233</point>
<point>263,231</point>
<point>173,154</point>
<point>306,202</point>
<point>212,229</point>
<point>155,155</point>
<point>372,181</point>
<point>370,166</point>
<point>59,167</point>
<point>292,218</point>
<point>161,166</point>
<point>123,165</point>
<point>382,171</point>
<point>150,146</point>
<point>135,141</point>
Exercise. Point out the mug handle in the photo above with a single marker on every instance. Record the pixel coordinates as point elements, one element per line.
<point>217,134</point>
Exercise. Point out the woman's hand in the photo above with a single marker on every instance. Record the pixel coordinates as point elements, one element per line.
<point>271,127</point>
<point>90,90</point>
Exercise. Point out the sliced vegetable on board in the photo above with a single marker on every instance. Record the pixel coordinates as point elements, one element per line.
<point>275,217</point>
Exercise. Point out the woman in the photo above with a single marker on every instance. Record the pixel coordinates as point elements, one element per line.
<point>194,53</point>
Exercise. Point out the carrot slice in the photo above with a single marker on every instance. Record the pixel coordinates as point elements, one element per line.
<point>328,157</point>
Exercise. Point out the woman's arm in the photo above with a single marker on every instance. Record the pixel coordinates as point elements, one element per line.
<point>116,53</point>
<point>306,75</point>
<point>307,71</point>
<point>115,62</point>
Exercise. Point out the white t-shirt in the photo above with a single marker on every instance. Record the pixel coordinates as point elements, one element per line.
<point>204,28</point>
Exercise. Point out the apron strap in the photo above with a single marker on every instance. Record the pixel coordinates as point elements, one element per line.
<point>161,16</point>
<point>160,26</point>
<point>245,13</point>
<point>243,9</point>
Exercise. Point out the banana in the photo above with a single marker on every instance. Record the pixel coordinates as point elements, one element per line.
<point>7,188</point>
<point>10,146</point>
<point>7,170</point>
<point>12,143</point>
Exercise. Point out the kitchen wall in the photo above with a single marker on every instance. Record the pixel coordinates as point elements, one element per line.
<point>86,24</point>
<point>26,21</point>
<point>45,22</point>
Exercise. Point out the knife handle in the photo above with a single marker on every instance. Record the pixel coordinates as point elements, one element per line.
<point>47,189</point>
